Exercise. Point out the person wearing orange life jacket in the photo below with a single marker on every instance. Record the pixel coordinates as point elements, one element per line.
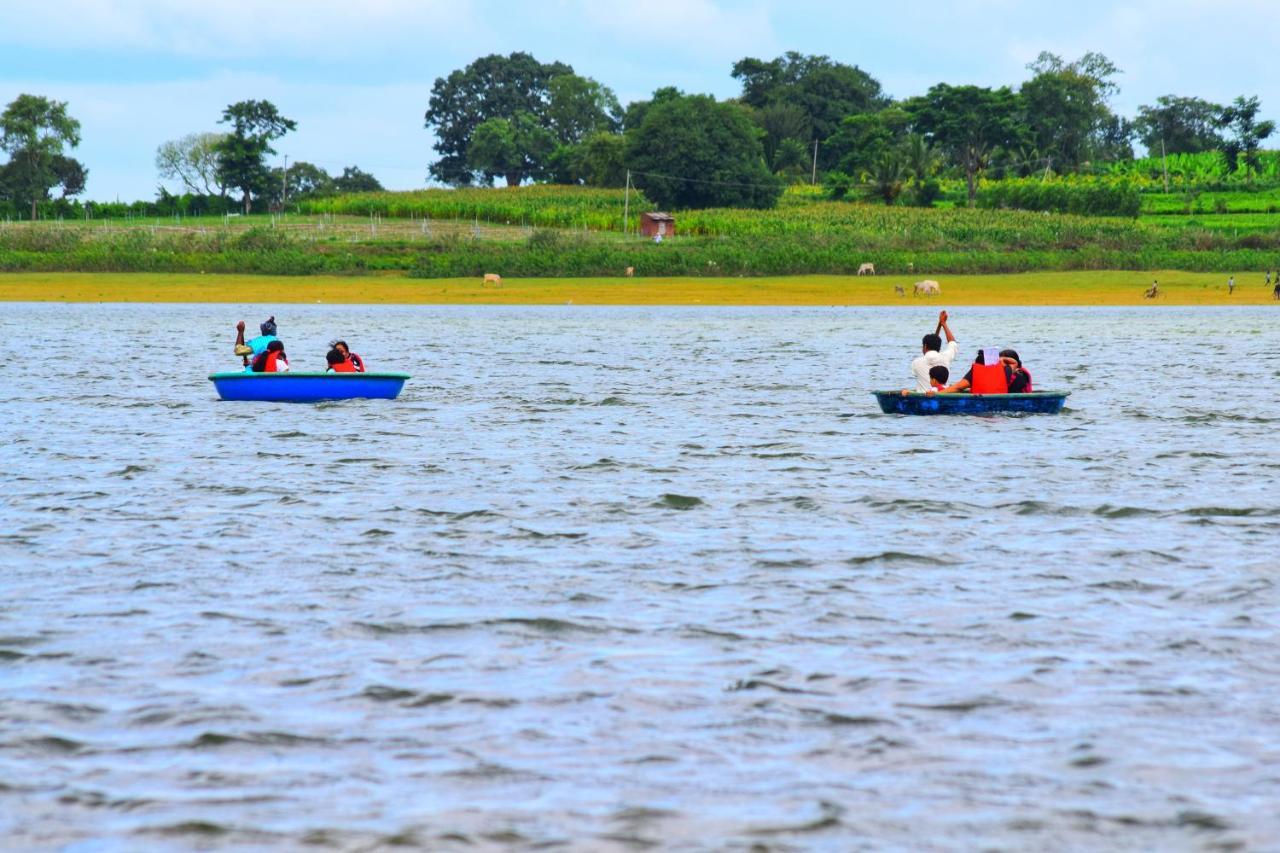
<point>337,363</point>
<point>356,361</point>
<point>272,359</point>
<point>984,378</point>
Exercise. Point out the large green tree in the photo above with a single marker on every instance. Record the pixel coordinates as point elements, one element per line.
<point>492,87</point>
<point>1184,125</point>
<point>1247,133</point>
<point>693,152</point>
<point>826,91</point>
<point>1066,112</point>
<point>517,148</point>
<point>355,180</point>
<point>242,153</point>
<point>192,160</point>
<point>34,131</point>
<point>968,123</point>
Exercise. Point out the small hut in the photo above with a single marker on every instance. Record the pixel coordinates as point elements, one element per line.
<point>657,224</point>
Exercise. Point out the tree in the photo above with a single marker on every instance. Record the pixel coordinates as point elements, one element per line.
<point>517,148</point>
<point>241,153</point>
<point>301,180</point>
<point>1183,125</point>
<point>1065,106</point>
<point>825,91</point>
<point>33,130</point>
<point>492,87</point>
<point>782,123</point>
<point>862,139</point>
<point>693,152</point>
<point>889,175</point>
<point>1241,118</point>
<point>578,107</point>
<point>354,180</point>
<point>969,123</point>
<point>601,160</point>
<point>193,160</point>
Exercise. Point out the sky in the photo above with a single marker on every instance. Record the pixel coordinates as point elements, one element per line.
<point>356,75</point>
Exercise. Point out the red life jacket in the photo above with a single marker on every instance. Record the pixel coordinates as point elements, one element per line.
<point>989,379</point>
<point>356,362</point>
<point>1026,390</point>
<point>343,367</point>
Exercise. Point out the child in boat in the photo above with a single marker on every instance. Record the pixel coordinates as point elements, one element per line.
<point>272,360</point>
<point>1020,381</point>
<point>338,363</point>
<point>356,362</point>
<point>938,376</point>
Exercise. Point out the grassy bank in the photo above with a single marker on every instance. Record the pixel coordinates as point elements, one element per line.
<point>1030,289</point>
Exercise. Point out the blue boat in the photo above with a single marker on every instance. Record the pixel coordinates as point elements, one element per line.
<point>307,387</point>
<point>1036,403</point>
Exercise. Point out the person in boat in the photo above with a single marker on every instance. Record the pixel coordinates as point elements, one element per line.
<point>271,360</point>
<point>338,363</point>
<point>938,376</point>
<point>1020,381</point>
<point>356,361</point>
<point>254,347</point>
<point>988,375</point>
<point>934,354</point>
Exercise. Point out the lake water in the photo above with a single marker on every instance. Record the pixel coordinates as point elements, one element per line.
<point>608,578</point>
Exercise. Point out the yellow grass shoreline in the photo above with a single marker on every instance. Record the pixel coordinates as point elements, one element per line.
<point>1123,287</point>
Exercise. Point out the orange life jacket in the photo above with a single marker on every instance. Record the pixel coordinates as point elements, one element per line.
<point>343,367</point>
<point>989,379</point>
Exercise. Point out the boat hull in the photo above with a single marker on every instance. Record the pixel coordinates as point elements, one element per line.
<point>307,387</point>
<point>1037,403</point>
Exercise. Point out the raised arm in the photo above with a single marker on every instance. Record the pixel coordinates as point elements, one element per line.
<point>942,324</point>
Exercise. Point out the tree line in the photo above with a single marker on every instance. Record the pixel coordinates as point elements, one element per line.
<point>797,117</point>
<point>804,117</point>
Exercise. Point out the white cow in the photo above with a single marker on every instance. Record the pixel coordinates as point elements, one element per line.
<point>631,271</point>
<point>492,278</point>
<point>928,287</point>
<point>867,269</point>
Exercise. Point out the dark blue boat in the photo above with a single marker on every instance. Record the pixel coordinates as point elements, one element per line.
<point>1037,403</point>
<point>307,387</point>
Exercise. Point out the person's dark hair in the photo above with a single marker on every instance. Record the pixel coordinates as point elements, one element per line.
<point>269,327</point>
<point>932,342</point>
<point>260,360</point>
<point>1013,354</point>
<point>334,357</point>
<point>981,359</point>
<point>940,373</point>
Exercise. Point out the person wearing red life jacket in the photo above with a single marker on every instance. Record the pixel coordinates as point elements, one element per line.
<point>271,360</point>
<point>983,378</point>
<point>337,363</point>
<point>356,361</point>
<point>1020,381</point>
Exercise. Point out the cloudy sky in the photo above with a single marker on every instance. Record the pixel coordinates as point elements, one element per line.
<point>356,74</point>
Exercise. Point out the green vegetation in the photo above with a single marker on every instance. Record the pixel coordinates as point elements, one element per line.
<point>576,231</point>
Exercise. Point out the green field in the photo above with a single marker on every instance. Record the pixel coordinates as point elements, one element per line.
<point>545,231</point>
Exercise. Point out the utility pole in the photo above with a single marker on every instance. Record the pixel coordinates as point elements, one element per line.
<point>626,205</point>
<point>813,178</point>
<point>284,190</point>
<point>1164,165</point>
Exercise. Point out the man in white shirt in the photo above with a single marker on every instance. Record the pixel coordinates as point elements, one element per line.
<point>933,353</point>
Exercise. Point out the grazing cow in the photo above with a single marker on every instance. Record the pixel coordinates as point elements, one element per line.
<point>898,290</point>
<point>867,269</point>
<point>492,278</point>
<point>631,271</point>
<point>928,287</point>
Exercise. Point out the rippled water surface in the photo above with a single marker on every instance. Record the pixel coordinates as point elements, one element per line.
<point>612,578</point>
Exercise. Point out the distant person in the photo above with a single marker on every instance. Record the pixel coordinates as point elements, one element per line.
<point>1231,285</point>
<point>1020,380</point>
<point>934,354</point>
<point>271,360</point>
<point>256,346</point>
<point>987,375</point>
<point>1153,291</point>
<point>1276,292</point>
<point>357,363</point>
<point>1268,278</point>
<point>938,376</point>
<point>338,363</point>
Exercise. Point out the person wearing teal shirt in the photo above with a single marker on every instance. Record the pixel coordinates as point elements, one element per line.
<point>251,349</point>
